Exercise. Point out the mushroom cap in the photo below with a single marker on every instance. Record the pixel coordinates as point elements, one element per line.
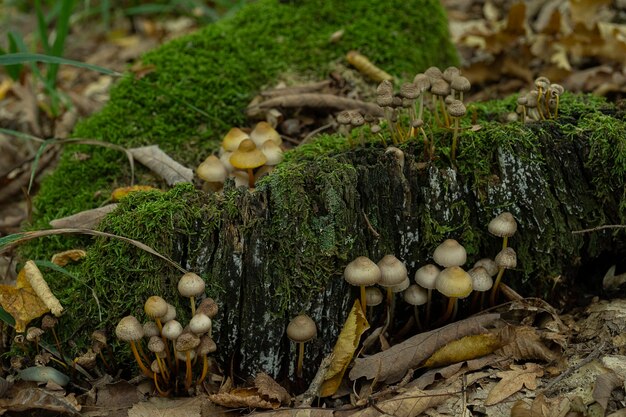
<point>240,178</point>
<point>506,258</point>
<point>233,139</point>
<point>200,323</point>
<point>392,271</point>
<point>460,83</point>
<point>489,265</point>
<point>439,87</point>
<point>154,367</point>
<point>409,90</point>
<point>33,333</point>
<point>401,286</point>
<point>422,82</point>
<point>426,276</point>
<point>384,88</point>
<point>129,329</point>
<point>209,307</point>
<point>172,329</point>
<point>450,253</point>
<point>362,271</point>
<point>187,341</point>
<point>301,328</point>
<point>156,344</point>
<point>481,280</point>
<point>99,336</point>
<point>502,225</point>
<point>449,73</point>
<point>247,156</point>
<point>181,355</point>
<point>456,108</point>
<point>415,295</point>
<point>433,73</point>
<point>191,285</point>
<point>272,152</point>
<point>373,296</point>
<point>262,132</point>
<point>155,307</point>
<point>207,345</point>
<point>150,329</point>
<point>212,170</point>
<point>170,315</point>
<point>343,118</point>
<point>225,160</point>
<point>454,282</point>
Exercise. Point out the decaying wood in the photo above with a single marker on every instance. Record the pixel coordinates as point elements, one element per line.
<point>318,101</point>
<point>296,89</point>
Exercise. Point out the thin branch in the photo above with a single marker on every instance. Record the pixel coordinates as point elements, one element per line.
<point>603,227</point>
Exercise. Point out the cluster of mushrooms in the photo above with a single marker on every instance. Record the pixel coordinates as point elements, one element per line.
<point>442,90</point>
<point>176,349</point>
<point>243,157</point>
<point>445,275</point>
<point>542,102</point>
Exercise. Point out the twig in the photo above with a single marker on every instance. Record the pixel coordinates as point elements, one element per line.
<point>306,399</point>
<point>296,89</point>
<point>315,132</point>
<point>603,227</point>
<point>316,101</point>
<point>593,355</point>
<point>369,225</point>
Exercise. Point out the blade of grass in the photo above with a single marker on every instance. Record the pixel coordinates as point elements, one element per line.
<point>23,57</point>
<point>62,29</point>
<point>55,267</point>
<point>42,27</point>
<point>9,241</point>
<point>7,318</point>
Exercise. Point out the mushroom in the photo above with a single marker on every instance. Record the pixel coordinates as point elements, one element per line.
<point>150,329</point>
<point>99,341</point>
<point>207,346</point>
<point>450,253</point>
<point>454,283</point>
<point>185,344</point>
<point>504,226</point>
<point>272,152</point>
<point>456,110</point>
<point>416,296</point>
<point>33,334</point>
<point>461,84</point>
<point>170,315</point>
<point>213,172</point>
<point>362,272</point>
<point>156,371</point>
<point>191,285</point>
<point>262,132</point>
<point>506,259</point>
<point>155,308</point>
<point>247,157</point>
<point>157,346</point>
<point>301,329</point>
<point>481,282</point>
<point>392,273</point>
<point>426,277</point>
<point>200,323</point>
<point>489,265</point>
<point>130,330</point>
<point>171,330</point>
<point>233,139</point>
<point>373,297</point>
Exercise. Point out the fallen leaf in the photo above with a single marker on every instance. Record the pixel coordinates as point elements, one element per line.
<point>21,302</point>
<point>525,343</point>
<point>269,388</point>
<point>122,192</point>
<point>347,342</point>
<point>40,399</point>
<point>168,407</point>
<point>604,386</point>
<point>463,349</point>
<point>296,412</point>
<point>162,164</point>
<point>87,219</point>
<point>542,407</point>
<point>266,394</point>
<point>513,381</point>
<point>40,287</point>
<point>63,258</point>
<point>391,365</point>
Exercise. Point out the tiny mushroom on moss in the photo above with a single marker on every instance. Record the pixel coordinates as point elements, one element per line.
<point>392,273</point>
<point>233,139</point>
<point>505,259</point>
<point>213,172</point>
<point>450,253</point>
<point>426,277</point>
<point>481,282</point>
<point>206,347</point>
<point>200,323</point>
<point>186,344</point>
<point>156,308</point>
<point>301,329</point>
<point>362,272</point>
<point>454,283</point>
<point>504,226</point>
<point>247,157</point>
<point>416,296</point>
<point>191,285</point>
<point>130,330</point>
<point>263,132</point>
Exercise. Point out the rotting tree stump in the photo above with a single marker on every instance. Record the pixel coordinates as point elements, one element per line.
<point>280,250</point>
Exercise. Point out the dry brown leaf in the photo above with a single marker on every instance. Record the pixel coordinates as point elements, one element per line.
<point>391,365</point>
<point>586,11</point>
<point>65,257</point>
<point>162,164</point>
<point>463,349</point>
<point>122,192</point>
<point>347,342</point>
<point>243,397</point>
<point>296,412</point>
<point>268,388</point>
<point>40,399</point>
<point>525,343</point>
<point>21,302</point>
<point>542,407</point>
<point>411,403</point>
<point>40,287</point>
<point>513,381</point>
<point>604,386</point>
<point>168,407</point>
<point>87,219</point>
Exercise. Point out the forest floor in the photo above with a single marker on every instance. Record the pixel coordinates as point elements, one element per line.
<point>504,46</point>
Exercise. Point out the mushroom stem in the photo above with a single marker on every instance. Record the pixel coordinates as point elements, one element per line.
<point>250,178</point>
<point>505,241</point>
<point>163,368</point>
<point>300,359</point>
<point>494,290</point>
<point>416,313</point>
<point>429,304</point>
<point>156,384</point>
<point>455,136</point>
<point>390,304</point>
<point>193,299</point>
<point>474,305</point>
<point>363,299</point>
<point>187,370</point>
<point>205,369</point>
<point>143,368</point>
<point>448,313</point>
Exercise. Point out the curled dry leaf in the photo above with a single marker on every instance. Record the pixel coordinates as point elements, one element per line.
<point>268,388</point>
<point>40,286</point>
<point>162,164</point>
<point>391,365</point>
<point>21,302</point>
<point>347,342</point>
<point>525,343</point>
<point>514,380</point>
<point>542,407</point>
<point>266,394</point>
<point>87,219</point>
<point>65,257</point>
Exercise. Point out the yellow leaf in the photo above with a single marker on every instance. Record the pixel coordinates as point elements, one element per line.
<point>63,258</point>
<point>463,349</point>
<point>5,86</point>
<point>21,302</point>
<point>122,192</point>
<point>356,324</point>
<point>40,287</point>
